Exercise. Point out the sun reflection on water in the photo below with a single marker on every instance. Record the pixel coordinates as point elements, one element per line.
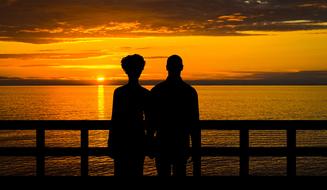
<point>101,103</point>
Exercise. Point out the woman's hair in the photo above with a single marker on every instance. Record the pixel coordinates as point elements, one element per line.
<point>133,63</point>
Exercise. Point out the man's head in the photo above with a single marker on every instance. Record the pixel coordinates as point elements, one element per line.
<point>175,65</point>
<point>133,66</point>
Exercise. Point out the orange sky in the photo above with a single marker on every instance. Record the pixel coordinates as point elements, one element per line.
<point>241,40</point>
<point>205,57</point>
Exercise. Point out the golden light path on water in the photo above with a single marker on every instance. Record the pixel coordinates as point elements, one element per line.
<point>101,102</point>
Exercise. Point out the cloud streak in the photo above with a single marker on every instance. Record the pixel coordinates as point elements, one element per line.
<point>48,21</point>
<point>54,56</point>
<point>156,57</point>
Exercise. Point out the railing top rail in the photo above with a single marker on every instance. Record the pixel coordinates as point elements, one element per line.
<point>55,124</point>
<point>206,125</point>
<point>265,125</point>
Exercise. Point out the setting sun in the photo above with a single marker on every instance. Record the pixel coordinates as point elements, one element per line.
<point>101,79</point>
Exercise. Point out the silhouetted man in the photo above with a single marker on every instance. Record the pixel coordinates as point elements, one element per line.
<point>127,137</point>
<point>175,119</point>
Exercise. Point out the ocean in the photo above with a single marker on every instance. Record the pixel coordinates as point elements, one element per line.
<point>216,103</point>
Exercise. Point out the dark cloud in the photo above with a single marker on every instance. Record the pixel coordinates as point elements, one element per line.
<point>10,78</point>
<point>293,77</point>
<point>48,21</point>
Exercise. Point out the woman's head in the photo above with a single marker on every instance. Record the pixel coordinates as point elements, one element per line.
<point>133,66</point>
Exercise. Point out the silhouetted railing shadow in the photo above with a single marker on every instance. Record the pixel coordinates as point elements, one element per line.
<point>244,151</point>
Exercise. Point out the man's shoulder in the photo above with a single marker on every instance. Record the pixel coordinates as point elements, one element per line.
<point>166,85</point>
<point>189,87</point>
<point>193,90</point>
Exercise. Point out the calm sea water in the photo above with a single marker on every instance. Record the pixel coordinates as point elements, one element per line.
<point>216,103</point>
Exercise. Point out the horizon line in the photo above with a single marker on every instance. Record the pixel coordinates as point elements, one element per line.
<point>38,82</point>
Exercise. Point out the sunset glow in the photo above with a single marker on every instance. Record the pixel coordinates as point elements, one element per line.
<point>228,42</point>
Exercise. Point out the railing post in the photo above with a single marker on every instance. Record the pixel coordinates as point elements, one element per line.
<point>84,151</point>
<point>196,146</point>
<point>40,157</point>
<point>291,149</point>
<point>244,152</point>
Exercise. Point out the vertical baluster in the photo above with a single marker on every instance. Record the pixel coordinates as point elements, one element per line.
<point>84,151</point>
<point>40,145</point>
<point>291,148</point>
<point>244,152</point>
<point>196,145</point>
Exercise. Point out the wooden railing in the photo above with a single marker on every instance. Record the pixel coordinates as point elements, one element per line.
<point>244,151</point>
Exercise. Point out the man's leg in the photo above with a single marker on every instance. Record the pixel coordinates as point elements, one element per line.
<point>163,166</point>
<point>180,167</point>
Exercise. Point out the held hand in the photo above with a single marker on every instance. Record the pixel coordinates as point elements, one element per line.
<point>151,147</point>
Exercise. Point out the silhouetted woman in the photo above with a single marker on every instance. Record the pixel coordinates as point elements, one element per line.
<point>127,137</point>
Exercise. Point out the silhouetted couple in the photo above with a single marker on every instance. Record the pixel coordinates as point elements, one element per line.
<point>159,123</point>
